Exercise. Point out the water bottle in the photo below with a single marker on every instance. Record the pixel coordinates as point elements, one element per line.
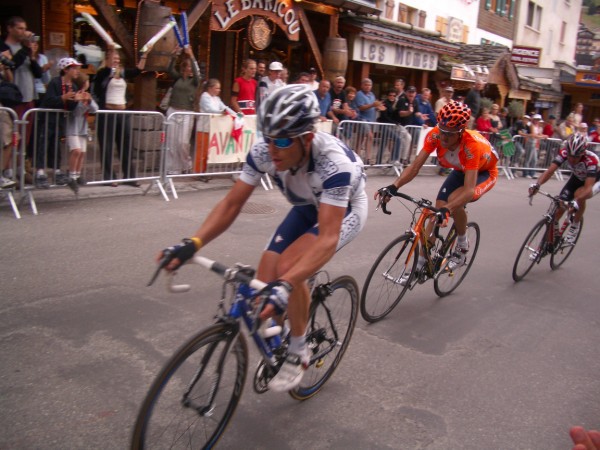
<point>271,332</point>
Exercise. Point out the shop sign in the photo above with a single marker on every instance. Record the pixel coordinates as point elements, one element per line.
<point>282,12</point>
<point>587,78</point>
<point>519,94</point>
<point>529,56</point>
<point>469,73</point>
<point>369,51</point>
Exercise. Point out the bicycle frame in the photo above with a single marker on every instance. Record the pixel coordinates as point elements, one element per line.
<point>555,204</point>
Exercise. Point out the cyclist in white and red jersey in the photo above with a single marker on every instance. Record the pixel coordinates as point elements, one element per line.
<point>583,184</point>
<point>324,180</point>
<point>473,161</point>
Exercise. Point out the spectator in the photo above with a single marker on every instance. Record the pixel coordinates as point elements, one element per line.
<point>577,114</point>
<point>211,103</point>
<point>18,42</point>
<point>110,90</point>
<point>495,117</point>
<point>62,93</point>
<point>595,124</point>
<point>244,91</point>
<point>567,128</point>
<point>41,82</point>
<point>582,129</point>
<point>183,94</point>
<point>473,101</point>
<point>503,114</point>
<point>424,100</point>
<point>338,98</point>
<point>324,99</point>
<point>368,106</point>
<point>483,124</point>
<point>532,145</point>
<point>446,97</point>
<point>6,129</point>
<point>390,115</point>
<point>409,109</point>
<point>399,84</point>
<point>313,82</point>
<point>550,127</point>
<point>261,70</point>
<point>271,82</point>
<point>302,78</point>
<point>351,112</point>
<point>77,131</point>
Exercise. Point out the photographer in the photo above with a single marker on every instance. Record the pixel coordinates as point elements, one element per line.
<point>26,69</point>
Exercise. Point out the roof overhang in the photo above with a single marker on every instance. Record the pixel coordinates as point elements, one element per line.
<point>357,6</point>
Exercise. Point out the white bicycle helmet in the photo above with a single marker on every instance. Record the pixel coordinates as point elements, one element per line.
<point>288,111</point>
<point>576,144</point>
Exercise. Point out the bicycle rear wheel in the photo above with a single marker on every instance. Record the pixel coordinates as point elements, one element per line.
<point>330,326</point>
<point>445,281</point>
<point>194,396</point>
<point>382,289</point>
<point>531,250</point>
<point>563,250</point>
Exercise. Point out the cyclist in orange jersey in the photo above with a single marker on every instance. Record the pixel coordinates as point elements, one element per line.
<point>473,161</point>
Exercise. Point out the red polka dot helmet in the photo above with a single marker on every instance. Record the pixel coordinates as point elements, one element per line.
<point>454,115</point>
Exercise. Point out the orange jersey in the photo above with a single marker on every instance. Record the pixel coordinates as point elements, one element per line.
<point>474,152</point>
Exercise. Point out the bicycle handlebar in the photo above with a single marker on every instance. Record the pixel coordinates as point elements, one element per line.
<point>423,202</point>
<point>228,273</point>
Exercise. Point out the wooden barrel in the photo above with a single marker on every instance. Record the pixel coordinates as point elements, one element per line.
<point>335,57</point>
<point>152,16</point>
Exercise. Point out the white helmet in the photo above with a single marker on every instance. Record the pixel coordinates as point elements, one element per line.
<point>65,63</point>
<point>289,111</point>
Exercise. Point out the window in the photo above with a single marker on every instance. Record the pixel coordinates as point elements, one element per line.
<point>504,8</point>
<point>534,15</point>
<point>409,15</point>
<point>389,9</point>
<point>563,32</point>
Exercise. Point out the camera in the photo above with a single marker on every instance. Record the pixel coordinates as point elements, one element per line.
<point>7,62</point>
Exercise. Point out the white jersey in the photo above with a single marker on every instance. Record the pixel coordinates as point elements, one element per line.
<point>334,174</point>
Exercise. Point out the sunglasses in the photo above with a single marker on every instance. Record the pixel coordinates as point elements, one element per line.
<point>449,134</point>
<point>280,142</point>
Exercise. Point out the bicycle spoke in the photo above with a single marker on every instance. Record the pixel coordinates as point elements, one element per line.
<point>531,252</point>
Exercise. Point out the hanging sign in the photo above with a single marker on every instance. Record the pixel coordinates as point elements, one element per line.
<point>282,12</point>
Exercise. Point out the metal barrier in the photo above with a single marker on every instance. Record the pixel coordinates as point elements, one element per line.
<point>9,138</point>
<point>534,155</point>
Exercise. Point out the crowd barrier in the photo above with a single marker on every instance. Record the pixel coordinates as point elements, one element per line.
<point>129,147</point>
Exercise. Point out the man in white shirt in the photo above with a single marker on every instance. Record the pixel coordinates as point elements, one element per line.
<point>271,82</point>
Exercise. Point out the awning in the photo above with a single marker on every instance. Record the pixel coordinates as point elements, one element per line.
<point>358,6</point>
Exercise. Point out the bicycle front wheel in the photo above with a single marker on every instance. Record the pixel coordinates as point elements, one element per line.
<point>330,326</point>
<point>445,281</point>
<point>385,286</point>
<point>560,254</point>
<point>193,398</point>
<point>531,250</point>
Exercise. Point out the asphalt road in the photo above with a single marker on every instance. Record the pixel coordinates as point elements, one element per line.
<point>497,365</point>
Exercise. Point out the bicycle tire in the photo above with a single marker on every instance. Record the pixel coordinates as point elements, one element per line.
<point>445,281</point>
<point>382,291</point>
<point>163,420</point>
<point>563,250</point>
<point>533,243</point>
<point>330,326</point>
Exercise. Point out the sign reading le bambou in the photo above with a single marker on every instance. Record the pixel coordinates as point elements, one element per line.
<point>282,12</point>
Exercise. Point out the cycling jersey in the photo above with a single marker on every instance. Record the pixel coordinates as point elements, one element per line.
<point>474,152</point>
<point>334,174</point>
<point>586,167</point>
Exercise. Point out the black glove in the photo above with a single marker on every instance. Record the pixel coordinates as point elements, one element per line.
<point>279,294</point>
<point>389,191</point>
<point>183,252</point>
<point>443,215</point>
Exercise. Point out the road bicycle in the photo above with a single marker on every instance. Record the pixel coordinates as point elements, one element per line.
<point>544,240</point>
<point>194,396</point>
<point>386,283</point>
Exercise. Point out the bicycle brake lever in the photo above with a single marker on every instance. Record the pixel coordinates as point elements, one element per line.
<point>161,265</point>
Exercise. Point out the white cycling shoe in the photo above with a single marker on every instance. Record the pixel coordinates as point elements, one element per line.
<point>290,374</point>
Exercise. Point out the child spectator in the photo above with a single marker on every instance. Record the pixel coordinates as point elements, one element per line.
<point>76,131</point>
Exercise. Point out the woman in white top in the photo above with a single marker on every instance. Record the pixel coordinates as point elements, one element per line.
<point>210,103</point>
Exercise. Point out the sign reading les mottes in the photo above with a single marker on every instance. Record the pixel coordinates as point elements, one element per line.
<point>282,12</point>
<point>529,56</point>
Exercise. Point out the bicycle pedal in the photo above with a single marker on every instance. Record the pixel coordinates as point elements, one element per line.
<point>319,363</point>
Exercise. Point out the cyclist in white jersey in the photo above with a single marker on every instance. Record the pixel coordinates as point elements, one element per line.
<point>583,184</point>
<point>324,181</point>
